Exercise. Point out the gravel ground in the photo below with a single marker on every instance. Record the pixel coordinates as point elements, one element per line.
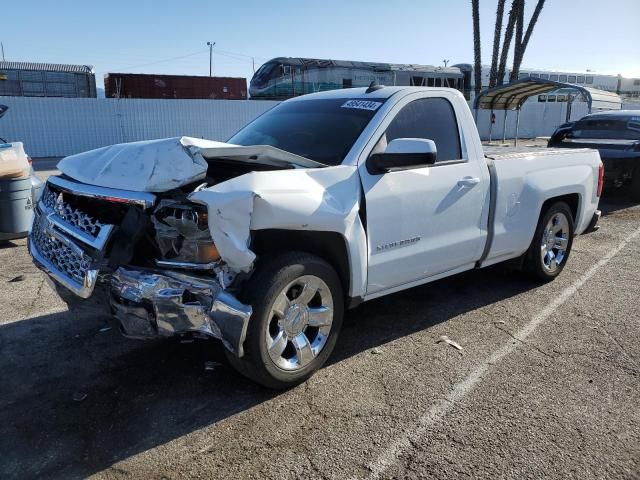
<point>547,384</point>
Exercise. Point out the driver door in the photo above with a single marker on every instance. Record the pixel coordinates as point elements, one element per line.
<point>423,221</point>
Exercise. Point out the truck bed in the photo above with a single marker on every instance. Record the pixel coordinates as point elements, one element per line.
<point>531,174</point>
<point>497,152</point>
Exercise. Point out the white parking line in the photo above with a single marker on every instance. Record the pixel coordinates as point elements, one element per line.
<point>443,406</point>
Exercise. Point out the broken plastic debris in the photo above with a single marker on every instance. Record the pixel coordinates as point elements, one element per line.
<point>446,339</point>
<point>211,365</point>
<point>79,396</point>
<point>499,322</point>
<point>377,351</point>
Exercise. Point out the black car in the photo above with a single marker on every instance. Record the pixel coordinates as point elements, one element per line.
<point>616,135</point>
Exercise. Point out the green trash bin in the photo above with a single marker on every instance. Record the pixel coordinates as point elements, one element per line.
<point>16,207</point>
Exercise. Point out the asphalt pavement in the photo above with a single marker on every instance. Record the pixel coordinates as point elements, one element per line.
<point>546,385</point>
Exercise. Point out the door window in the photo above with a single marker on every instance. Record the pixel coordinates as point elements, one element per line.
<point>429,118</point>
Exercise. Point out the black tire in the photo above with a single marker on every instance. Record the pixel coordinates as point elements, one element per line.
<point>261,291</point>
<point>635,185</point>
<point>534,263</point>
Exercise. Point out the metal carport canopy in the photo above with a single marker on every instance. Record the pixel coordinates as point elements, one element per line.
<point>512,95</point>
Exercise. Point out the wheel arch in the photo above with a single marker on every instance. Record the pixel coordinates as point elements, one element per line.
<point>332,247</point>
<point>571,199</point>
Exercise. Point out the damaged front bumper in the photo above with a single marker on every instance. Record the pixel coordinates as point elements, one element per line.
<point>148,303</point>
<point>152,304</point>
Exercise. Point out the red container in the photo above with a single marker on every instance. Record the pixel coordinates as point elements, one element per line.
<point>138,85</point>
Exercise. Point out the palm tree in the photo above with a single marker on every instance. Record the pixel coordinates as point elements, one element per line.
<point>506,44</point>
<point>517,51</point>
<point>515,22</point>
<point>493,74</point>
<point>477,68</point>
<point>522,42</point>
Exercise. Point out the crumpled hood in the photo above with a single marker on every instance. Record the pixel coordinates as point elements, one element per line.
<point>149,166</point>
<point>162,165</point>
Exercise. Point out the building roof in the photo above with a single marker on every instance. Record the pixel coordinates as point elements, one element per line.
<point>512,95</point>
<point>49,67</point>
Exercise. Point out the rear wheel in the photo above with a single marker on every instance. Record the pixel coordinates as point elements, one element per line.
<point>551,244</point>
<point>298,307</point>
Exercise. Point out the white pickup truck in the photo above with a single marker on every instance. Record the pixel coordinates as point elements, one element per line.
<point>323,202</point>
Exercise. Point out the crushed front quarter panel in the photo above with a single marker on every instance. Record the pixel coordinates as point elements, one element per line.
<point>322,199</point>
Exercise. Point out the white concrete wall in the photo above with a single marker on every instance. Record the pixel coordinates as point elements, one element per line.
<point>56,127</point>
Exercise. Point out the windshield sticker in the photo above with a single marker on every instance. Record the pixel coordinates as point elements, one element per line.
<point>362,104</point>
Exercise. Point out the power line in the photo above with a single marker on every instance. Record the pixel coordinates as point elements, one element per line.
<point>238,57</point>
<point>235,53</point>
<point>163,61</point>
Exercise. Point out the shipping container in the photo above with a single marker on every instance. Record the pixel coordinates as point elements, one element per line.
<point>26,79</point>
<point>137,85</point>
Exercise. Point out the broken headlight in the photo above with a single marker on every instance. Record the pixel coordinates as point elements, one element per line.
<point>182,233</point>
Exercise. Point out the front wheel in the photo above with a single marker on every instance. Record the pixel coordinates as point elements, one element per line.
<point>551,244</point>
<point>298,306</point>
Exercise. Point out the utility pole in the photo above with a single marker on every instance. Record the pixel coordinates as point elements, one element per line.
<point>211,44</point>
<point>2,46</point>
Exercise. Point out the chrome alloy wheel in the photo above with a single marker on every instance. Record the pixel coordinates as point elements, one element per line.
<point>300,322</point>
<point>555,241</point>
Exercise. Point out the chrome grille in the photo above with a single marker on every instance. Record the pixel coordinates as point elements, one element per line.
<point>73,216</point>
<point>64,258</point>
<point>68,243</point>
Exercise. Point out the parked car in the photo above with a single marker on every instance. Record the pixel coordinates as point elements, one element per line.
<point>325,201</point>
<point>616,135</point>
<point>19,189</point>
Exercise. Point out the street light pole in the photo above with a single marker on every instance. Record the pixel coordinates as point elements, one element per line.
<point>211,44</point>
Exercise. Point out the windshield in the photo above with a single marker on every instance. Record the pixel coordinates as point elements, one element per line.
<point>321,130</point>
<point>262,76</point>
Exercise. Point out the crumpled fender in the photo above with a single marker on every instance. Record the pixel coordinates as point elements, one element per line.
<point>319,199</point>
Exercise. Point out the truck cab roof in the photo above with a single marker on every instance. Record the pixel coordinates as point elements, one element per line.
<point>361,93</point>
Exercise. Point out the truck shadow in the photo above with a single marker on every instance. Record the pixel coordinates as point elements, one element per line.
<point>614,200</point>
<point>76,398</point>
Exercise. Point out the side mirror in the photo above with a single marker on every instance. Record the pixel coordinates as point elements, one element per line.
<point>3,109</point>
<point>403,154</point>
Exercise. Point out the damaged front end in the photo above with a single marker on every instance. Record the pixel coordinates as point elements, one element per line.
<point>148,261</point>
<point>151,303</point>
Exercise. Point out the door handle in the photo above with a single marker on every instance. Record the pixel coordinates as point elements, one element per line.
<point>468,182</point>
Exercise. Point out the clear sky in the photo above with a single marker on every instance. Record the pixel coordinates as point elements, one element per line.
<point>164,36</point>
